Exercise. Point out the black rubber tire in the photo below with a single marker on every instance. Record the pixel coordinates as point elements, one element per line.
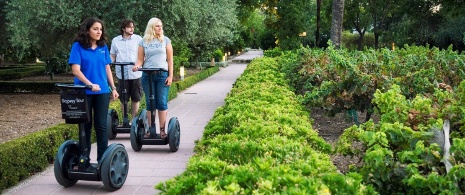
<point>114,169</point>
<point>61,171</point>
<point>174,134</point>
<point>112,124</point>
<point>135,136</point>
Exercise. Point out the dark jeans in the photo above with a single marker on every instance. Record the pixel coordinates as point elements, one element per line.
<point>98,107</point>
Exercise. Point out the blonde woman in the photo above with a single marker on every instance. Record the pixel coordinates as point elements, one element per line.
<point>155,51</point>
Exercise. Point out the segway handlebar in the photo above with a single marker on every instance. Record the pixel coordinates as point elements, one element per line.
<point>152,70</point>
<point>72,86</point>
<point>122,63</point>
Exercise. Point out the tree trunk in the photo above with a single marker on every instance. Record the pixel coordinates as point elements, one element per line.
<point>336,23</point>
<point>318,21</point>
<point>360,41</point>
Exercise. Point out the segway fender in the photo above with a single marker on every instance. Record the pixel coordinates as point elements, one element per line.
<point>108,150</point>
<point>112,123</point>
<point>143,116</point>
<point>64,147</point>
<point>172,123</point>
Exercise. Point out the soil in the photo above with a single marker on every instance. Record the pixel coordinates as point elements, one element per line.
<point>21,114</point>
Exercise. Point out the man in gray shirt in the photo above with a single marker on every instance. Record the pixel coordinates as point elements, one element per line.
<point>124,48</point>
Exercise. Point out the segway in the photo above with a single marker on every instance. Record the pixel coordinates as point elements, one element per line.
<point>140,124</point>
<point>72,161</point>
<point>113,123</point>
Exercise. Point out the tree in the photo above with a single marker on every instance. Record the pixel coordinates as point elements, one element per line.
<point>318,21</point>
<point>381,12</point>
<point>357,18</point>
<point>289,18</point>
<point>3,36</point>
<point>452,25</point>
<point>204,25</point>
<point>48,27</point>
<point>336,22</point>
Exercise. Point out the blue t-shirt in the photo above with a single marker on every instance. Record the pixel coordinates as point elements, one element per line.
<point>93,64</point>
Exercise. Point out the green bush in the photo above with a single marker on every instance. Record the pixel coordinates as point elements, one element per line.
<point>262,142</point>
<point>274,52</point>
<point>21,72</point>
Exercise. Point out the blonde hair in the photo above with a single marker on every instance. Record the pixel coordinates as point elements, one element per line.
<point>150,34</point>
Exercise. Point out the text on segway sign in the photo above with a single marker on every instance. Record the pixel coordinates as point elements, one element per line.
<point>67,101</point>
<point>74,107</point>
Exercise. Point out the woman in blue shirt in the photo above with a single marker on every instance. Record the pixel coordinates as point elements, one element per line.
<point>90,63</point>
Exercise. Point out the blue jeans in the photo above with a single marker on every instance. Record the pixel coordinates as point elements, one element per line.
<point>159,91</point>
<point>98,107</point>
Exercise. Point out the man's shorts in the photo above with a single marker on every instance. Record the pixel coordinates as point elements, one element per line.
<point>133,90</point>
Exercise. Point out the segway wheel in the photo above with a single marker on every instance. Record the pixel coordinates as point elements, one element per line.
<point>61,170</point>
<point>135,136</point>
<point>115,168</point>
<point>174,134</point>
<point>112,124</point>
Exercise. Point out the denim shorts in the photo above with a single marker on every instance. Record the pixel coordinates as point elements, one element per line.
<point>159,90</point>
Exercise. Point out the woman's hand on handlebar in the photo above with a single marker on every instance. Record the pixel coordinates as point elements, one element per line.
<point>135,68</point>
<point>95,87</point>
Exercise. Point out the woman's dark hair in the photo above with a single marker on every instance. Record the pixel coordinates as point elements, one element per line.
<point>125,23</point>
<point>83,35</point>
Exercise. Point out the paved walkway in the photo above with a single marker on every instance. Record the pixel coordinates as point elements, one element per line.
<point>194,108</point>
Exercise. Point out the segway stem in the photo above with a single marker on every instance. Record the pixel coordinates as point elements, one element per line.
<point>124,92</point>
<point>152,111</point>
<point>84,161</point>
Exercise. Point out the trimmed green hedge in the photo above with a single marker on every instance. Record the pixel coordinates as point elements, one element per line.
<point>25,156</point>
<point>21,72</point>
<point>262,142</point>
<point>39,87</point>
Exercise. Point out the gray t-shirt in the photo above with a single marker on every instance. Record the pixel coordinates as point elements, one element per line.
<point>155,53</point>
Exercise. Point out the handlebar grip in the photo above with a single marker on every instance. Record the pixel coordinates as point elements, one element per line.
<point>72,86</point>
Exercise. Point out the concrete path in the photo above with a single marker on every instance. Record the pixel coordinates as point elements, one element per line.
<point>194,108</point>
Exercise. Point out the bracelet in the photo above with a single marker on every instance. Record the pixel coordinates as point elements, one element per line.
<point>114,88</point>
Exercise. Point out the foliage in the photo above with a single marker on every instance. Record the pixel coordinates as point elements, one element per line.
<point>48,27</point>
<point>181,55</point>
<point>204,25</point>
<point>275,52</point>
<point>253,28</point>
<point>21,72</point>
<point>400,154</point>
<point>351,40</point>
<point>288,19</point>
<point>342,80</point>
<point>357,17</point>
<point>261,142</point>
